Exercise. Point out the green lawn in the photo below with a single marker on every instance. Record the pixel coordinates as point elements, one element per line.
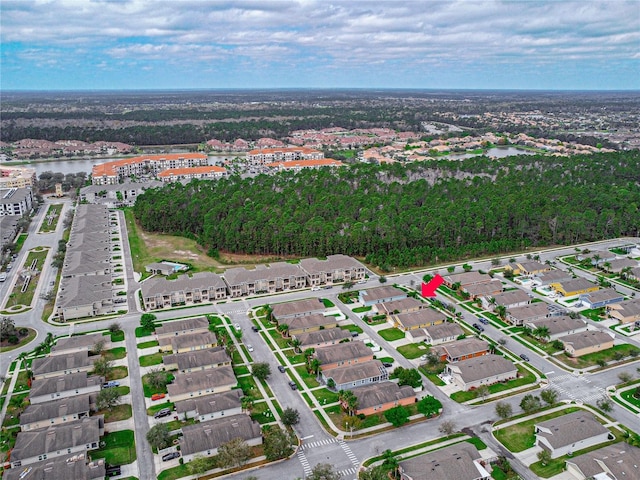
<point>521,436</point>
<point>240,370</point>
<point>174,473</point>
<point>362,309</point>
<point>595,314</point>
<point>628,396</point>
<point>327,303</point>
<point>261,413</point>
<point>119,449</point>
<point>17,296</point>
<point>249,387</point>
<point>20,241</point>
<point>116,336</point>
<point>351,328</point>
<point>50,221</point>
<point>117,353</point>
<point>143,332</point>
<point>323,394</point>
<point>593,358</point>
<point>117,373</point>
<point>308,378</point>
<point>152,359</point>
<point>156,408</point>
<point>149,344</point>
<point>149,391</point>
<point>413,350</point>
<point>117,413</point>
<point>391,334</point>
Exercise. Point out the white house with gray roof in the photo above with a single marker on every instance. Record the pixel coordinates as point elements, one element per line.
<point>158,292</point>
<point>213,406</point>
<point>58,440</point>
<point>182,327</point>
<point>297,308</point>
<point>336,268</point>
<point>276,277</point>
<point>73,467</point>
<point>202,383</point>
<point>85,296</point>
<point>189,342</point>
<point>64,386</point>
<point>483,370</point>
<point>199,360</point>
<point>351,376</point>
<point>321,338</point>
<point>205,438</point>
<point>461,461</point>
<point>569,433</point>
<point>559,326</point>
<point>79,343</point>
<point>613,462</point>
<point>55,412</point>
<point>54,366</point>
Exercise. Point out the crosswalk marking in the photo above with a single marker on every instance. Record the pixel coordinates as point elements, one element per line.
<point>318,443</point>
<point>349,453</point>
<point>349,471</point>
<point>303,460</point>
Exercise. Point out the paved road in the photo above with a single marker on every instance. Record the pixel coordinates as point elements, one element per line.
<point>318,445</point>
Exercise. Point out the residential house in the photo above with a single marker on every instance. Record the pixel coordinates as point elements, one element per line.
<point>64,386</point>
<point>277,277</point>
<point>618,461</point>
<point>58,440</point>
<point>205,438</point>
<point>213,406</point>
<point>309,323</point>
<point>421,318</point>
<point>380,397</point>
<point>348,353</point>
<point>73,467</point>
<point>199,384</point>
<point>386,293</point>
<point>114,172</point>
<point>461,461</point>
<point>462,350</point>
<point>297,308</point>
<point>616,266</point>
<point>528,313</point>
<point>186,174</point>
<point>264,156</point>
<point>356,375</point>
<point>79,343</point>
<point>321,338</point>
<point>395,307</point>
<point>582,343</point>
<point>15,201</point>
<point>47,367</point>
<point>8,229</point>
<point>601,298</point>
<point>182,327</point>
<point>634,274</point>
<point>193,361</point>
<point>483,370</point>
<point>336,268</point>
<point>188,342</point>
<point>85,296</point>
<point>116,194</point>
<point>479,290</point>
<point>528,268</point>
<point>626,312</point>
<point>554,276</point>
<point>597,257</point>
<point>510,299</point>
<point>442,333</point>
<point>158,292</point>
<point>569,433</point>
<point>558,326</point>
<point>55,412</point>
<point>297,165</point>
<point>465,279</point>
<point>573,287</point>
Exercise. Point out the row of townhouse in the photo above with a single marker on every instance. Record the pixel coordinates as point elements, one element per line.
<point>86,284</point>
<point>116,194</point>
<point>158,292</point>
<point>264,156</point>
<point>15,201</point>
<point>57,428</point>
<point>111,173</point>
<point>204,389</point>
<point>17,177</point>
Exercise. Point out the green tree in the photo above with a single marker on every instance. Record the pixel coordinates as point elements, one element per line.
<point>429,406</point>
<point>115,327</point>
<point>98,347</point>
<point>549,396</point>
<point>290,416</point>
<point>107,398</point>
<point>261,370</point>
<point>447,427</point>
<point>408,376</point>
<point>544,456</point>
<point>482,391</point>
<point>102,367</point>
<point>158,436</point>
<point>148,321</point>
<point>503,410</point>
<point>199,465</point>
<point>529,403</point>
<point>397,416</point>
<point>324,471</point>
<point>349,401</point>
<point>276,443</point>
<point>234,453</point>
<point>605,405</point>
<point>157,379</point>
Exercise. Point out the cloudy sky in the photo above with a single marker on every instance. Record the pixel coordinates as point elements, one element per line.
<point>157,44</point>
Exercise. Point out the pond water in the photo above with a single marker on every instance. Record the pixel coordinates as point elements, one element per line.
<point>498,152</point>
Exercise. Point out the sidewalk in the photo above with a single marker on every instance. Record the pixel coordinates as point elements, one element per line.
<point>14,378</point>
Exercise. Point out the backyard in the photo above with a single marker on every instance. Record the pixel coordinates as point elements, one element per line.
<point>391,334</point>
<point>119,448</point>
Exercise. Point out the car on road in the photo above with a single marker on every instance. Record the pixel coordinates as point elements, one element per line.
<point>328,287</point>
<point>479,328</point>
<point>237,326</point>
<point>293,385</point>
<point>254,328</point>
<point>170,456</point>
<point>111,384</point>
<point>157,396</point>
<point>249,347</point>
<point>165,412</point>
<point>3,277</point>
<point>52,283</point>
<point>281,368</point>
<point>483,320</point>
<point>524,356</point>
<point>315,289</point>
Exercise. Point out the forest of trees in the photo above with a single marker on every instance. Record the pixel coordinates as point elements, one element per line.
<point>414,215</point>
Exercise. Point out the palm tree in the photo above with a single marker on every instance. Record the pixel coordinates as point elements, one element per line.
<point>348,401</point>
<point>542,333</point>
<point>283,328</point>
<point>501,310</point>
<point>247,404</point>
<point>295,343</point>
<point>390,461</point>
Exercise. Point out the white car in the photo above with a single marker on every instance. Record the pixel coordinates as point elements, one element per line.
<point>237,326</point>
<point>250,347</point>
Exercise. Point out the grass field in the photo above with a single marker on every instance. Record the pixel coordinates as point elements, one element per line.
<point>50,221</point>
<point>149,344</point>
<point>149,360</point>
<point>117,413</point>
<point>391,334</point>
<point>17,297</point>
<point>119,449</point>
<point>412,350</point>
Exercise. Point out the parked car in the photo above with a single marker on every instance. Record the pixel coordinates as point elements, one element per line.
<point>254,328</point>
<point>524,356</point>
<point>170,456</point>
<point>387,364</point>
<point>165,412</point>
<point>483,320</point>
<point>249,347</point>
<point>281,368</point>
<point>237,326</point>
<point>3,277</point>
<point>113,471</point>
<point>423,357</point>
<point>293,385</point>
<point>157,396</point>
<point>111,384</point>
<point>354,334</point>
<point>479,328</point>
<point>315,289</point>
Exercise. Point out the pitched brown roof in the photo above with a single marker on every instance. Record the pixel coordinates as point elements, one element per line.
<point>213,433</point>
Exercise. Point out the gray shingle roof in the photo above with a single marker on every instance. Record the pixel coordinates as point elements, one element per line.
<point>332,263</point>
<point>455,462</point>
<point>620,460</point>
<point>55,408</point>
<point>378,293</point>
<point>202,380</point>
<point>342,352</point>
<point>421,317</point>
<point>58,437</point>
<point>78,341</point>
<point>402,305</point>
<point>60,468</point>
<point>511,297</point>
<point>554,276</point>
<point>576,284</point>
<point>213,433</point>
<point>297,307</point>
<point>486,366</point>
<point>355,372</point>
<point>201,280</point>
<point>57,363</point>
<point>526,312</point>
<point>444,330</point>
<point>571,428</point>
<point>84,290</point>
<point>309,321</point>
<point>628,308</point>
<point>486,288</point>
<point>238,276</point>
<point>216,402</point>
<point>63,383</point>
<point>320,336</point>
<point>198,358</point>
<point>467,278</point>
<point>189,340</point>
<point>468,346</point>
<point>381,393</point>
<point>590,338</point>
<point>604,295</point>
<point>560,324</point>
<point>187,324</point>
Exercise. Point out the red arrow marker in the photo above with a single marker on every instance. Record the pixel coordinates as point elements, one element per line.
<point>429,289</point>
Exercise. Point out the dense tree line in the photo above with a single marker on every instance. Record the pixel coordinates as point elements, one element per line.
<point>411,215</point>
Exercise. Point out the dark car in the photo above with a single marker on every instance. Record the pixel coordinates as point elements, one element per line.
<point>293,385</point>
<point>113,471</point>
<point>254,328</point>
<point>280,368</point>
<point>170,456</point>
<point>387,365</point>
<point>479,328</point>
<point>354,334</point>
<point>483,320</point>
<point>524,356</point>
<point>162,413</point>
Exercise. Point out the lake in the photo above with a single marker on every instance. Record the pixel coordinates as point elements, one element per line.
<point>498,152</point>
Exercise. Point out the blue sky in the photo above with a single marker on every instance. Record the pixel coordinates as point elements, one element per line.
<point>150,44</point>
